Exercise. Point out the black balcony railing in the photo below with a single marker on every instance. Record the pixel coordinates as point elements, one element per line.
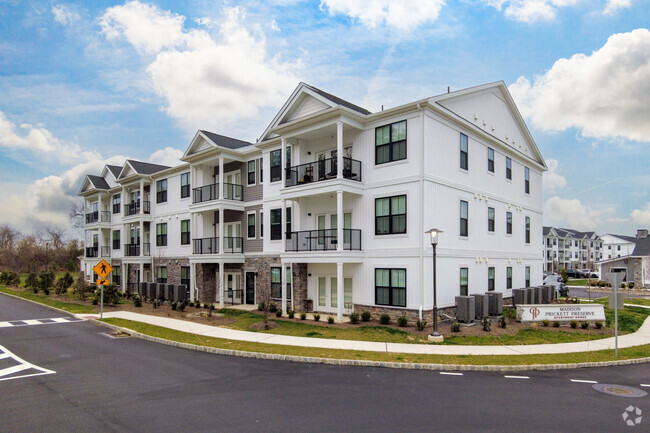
<point>232,191</point>
<point>205,246</point>
<point>322,170</point>
<point>133,208</point>
<point>233,245</point>
<point>92,217</point>
<point>133,250</point>
<point>323,240</point>
<point>205,193</point>
<point>92,252</point>
<point>106,251</point>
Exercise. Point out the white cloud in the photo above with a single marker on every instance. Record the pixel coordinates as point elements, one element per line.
<point>551,179</point>
<point>398,14</point>
<point>64,15</point>
<point>206,82</point>
<point>613,6</point>
<point>559,212</point>
<point>641,216</point>
<point>167,156</point>
<point>40,143</point>
<point>530,11</point>
<point>604,94</point>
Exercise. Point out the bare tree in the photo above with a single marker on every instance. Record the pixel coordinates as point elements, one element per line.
<point>76,214</point>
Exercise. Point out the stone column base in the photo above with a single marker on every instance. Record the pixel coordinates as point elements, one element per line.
<point>435,338</point>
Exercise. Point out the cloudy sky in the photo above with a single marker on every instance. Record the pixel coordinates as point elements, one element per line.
<point>85,83</point>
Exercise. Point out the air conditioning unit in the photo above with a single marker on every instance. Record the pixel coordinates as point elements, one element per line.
<point>495,303</point>
<point>547,296</point>
<point>153,290</point>
<point>142,288</point>
<point>481,305</point>
<point>465,308</point>
<point>180,292</point>
<point>519,296</point>
<point>162,291</point>
<point>530,298</point>
<point>170,293</point>
<point>538,295</point>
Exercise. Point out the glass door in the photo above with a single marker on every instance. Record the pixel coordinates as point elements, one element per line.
<point>322,292</point>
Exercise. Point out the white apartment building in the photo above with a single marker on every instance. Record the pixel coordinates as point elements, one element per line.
<point>330,206</point>
<point>570,249</point>
<point>616,246</point>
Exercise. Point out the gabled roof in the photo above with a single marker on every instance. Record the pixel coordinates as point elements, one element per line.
<point>642,248</point>
<point>223,141</point>
<point>204,140</point>
<point>337,100</point>
<point>115,169</point>
<point>98,182</point>
<point>631,239</point>
<point>138,167</point>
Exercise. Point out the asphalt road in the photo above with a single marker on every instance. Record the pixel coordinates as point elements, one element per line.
<point>102,384</point>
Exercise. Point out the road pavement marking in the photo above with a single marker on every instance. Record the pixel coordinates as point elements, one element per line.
<point>516,377</point>
<point>47,321</point>
<point>450,373</point>
<point>583,381</point>
<point>645,384</point>
<point>22,365</point>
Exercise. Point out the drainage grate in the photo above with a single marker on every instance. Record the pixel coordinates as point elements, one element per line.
<point>619,390</point>
<point>116,334</point>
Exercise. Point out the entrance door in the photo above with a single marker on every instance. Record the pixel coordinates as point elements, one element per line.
<point>233,288</point>
<point>232,237</point>
<point>232,186</point>
<point>250,288</point>
<point>328,294</point>
<point>327,234</point>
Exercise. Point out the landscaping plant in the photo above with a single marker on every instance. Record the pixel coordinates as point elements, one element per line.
<point>354,318</point>
<point>487,324</point>
<point>421,324</point>
<point>316,317</point>
<point>384,319</point>
<point>402,320</point>
<point>365,316</point>
<point>330,320</point>
<point>455,327</point>
<point>303,315</point>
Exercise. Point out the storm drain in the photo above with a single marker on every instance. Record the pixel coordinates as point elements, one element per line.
<point>619,390</point>
<point>115,334</point>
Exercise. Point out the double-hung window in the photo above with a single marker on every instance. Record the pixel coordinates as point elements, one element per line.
<point>509,277</point>
<point>261,225</point>
<point>185,275</point>
<point>390,287</point>
<point>464,152</point>
<point>116,203</point>
<point>390,215</point>
<point>509,223</point>
<point>161,274</point>
<point>161,191</point>
<point>276,224</point>
<point>276,282</point>
<point>508,168</point>
<point>464,281</point>
<point>490,160</point>
<point>251,172</point>
<point>185,232</point>
<point>491,219</point>
<point>276,169</point>
<point>185,185</point>
<point>527,276</point>
<point>464,218</point>
<point>251,225</point>
<point>527,230</point>
<point>288,223</point>
<point>390,142</point>
<point>116,239</point>
<point>490,279</point>
<point>526,180</point>
<point>161,234</point>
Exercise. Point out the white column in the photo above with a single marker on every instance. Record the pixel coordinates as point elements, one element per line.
<point>293,291</point>
<point>283,279</point>
<point>283,161</point>
<point>221,194</point>
<point>125,276</point>
<point>339,220</point>
<point>141,276</point>
<point>339,150</point>
<point>221,283</point>
<point>142,238</point>
<point>283,221</point>
<point>220,243</point>
<point>339,290</point>
<point>142,197</point>
<point>192,281</point>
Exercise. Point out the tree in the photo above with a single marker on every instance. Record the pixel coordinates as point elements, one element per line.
<point>264,297</point>
<point>564,275</point>
<point>76,214</point>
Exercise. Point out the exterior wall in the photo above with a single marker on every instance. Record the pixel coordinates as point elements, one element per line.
<point>252,245</point>
<point>614,247</point>
<point>253,192</point>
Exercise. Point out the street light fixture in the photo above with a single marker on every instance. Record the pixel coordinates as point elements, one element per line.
<point>435,336</point>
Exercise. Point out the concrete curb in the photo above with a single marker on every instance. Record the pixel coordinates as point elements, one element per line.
<point>364,363</point>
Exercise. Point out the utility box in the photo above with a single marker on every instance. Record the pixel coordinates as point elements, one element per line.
<point>519,297</point>
<point>180,292</point>
<point>480,305</point>
<point>530,297</point>
<point>495,303</point>
<point>621,298</point>
<point>538,295</point>
<point>465,308</point>
<point>170,293</point>
<point>153,290</point>
<point>142,288</point>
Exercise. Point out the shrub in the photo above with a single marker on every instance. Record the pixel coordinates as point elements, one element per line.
<point>290,313</point>
<point>330,320</point>
<point>421,324</point>
<point>365,316</point>
<point>46,280</point>
<point>556,324</point>
<point>564,275</point>
<point>206,306</point>
<point>630,285</point>
<point>487,324</point>
<point>174,305</point>
<point>455,327</point>
<point>9,278</point>
<point>181,306</point>
<point>510,313</point>
<point>111,295</point>
<point>260,306</point>
<point>273,308</point>
<point>278,313</point>
<point>384,319</point>
<point>35,290</point>
<point>31,282</point>
<point>303,315</point>
<point>574,324</point>
<point>95,301</point>
<point>316,317</point>
<point>584,325</point>
<point>598,324</point>
<point>46,291</point>
<point>545,323</point>
<point>354,317</point>
<point>402,320</point>
<point>502,322</point>
<point>622,286</point>
<point>137,301</point>
<point>81,288</point>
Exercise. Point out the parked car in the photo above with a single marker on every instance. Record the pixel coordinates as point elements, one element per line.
<point>558,282</point>
<point>588,273</point>
<point>574,273</point>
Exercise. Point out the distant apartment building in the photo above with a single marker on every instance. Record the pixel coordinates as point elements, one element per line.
<point>329,207</point>
<point>629,254</point>
<point>616,246</point>
<point>570,249</point>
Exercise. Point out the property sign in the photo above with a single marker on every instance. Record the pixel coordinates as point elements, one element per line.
<point>560,312</point>
<point>102,269</point>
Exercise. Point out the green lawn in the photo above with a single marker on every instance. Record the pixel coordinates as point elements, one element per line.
<point>183,337</point>
<point>46,300</point>
<point>525,336</point>
<point>637,301</point>
<point>629,319</point>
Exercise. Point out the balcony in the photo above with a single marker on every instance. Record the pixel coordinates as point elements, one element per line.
<point>323,240</point>
<point>92,252</point>
<point>210,192</point>
<point>94,217</point>
<point>133,250</point>
<point>324,169</point>
<point>231,245</point>
<point>106,251</point>
<point>134,208</point>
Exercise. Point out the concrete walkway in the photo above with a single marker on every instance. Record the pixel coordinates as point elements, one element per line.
<point>642,336</point>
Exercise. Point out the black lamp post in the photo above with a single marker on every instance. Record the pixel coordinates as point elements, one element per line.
<point>433,233</point>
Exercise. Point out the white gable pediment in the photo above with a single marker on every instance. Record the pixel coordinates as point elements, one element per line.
<point>199,143</point>
<point>127,171</point>
<point>87,185</point>
<point>304,106</point>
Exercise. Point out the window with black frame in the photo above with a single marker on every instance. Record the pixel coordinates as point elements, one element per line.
<point>117,200</point>
<point>490,279</point>
<point>527,230</point>
<point>526,180</point>
<point>390,287</point>
<point>161,274</point>
<point>509,223</point>
<point>251,172</point>
<point>116,240</point>
<point>276,282</point>
<point>491,219</point>
<point>508,168</point>
<point>275,158</point>
<point>490,160</point>
<point>161,234</point>
<point>464,152</point>
<point>185,275</point>
<point>390,215</point>
<point>185,232</point>
<point>276,224</point>
<point>185,185</point>
<point>509,277</point>
<point>390,142</point>
<point>464,281</point>
<point>251,226</point>
<point>464,218</point>
<point>288,223</point>
<point>161,191</point>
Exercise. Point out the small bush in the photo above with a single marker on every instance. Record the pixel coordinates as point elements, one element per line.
<point>273,308</point>
<point>584,325</point>
<point>278,313</point>
<point>365,316</point>
<point>181,306</point>
<point>290,313</point>
<point>556,324</point>
<point>46,291</point>
<point>174,305</point>
<point>32,281</point>
<point>421,324</point>
<point>316,317</point>
<point>455,327</point>
<point>354,317</point>
<point>303,315</point>
<point>545,323</point>
<point>402,321</point>
<point>598,324</point>
<point>95,301</point>
<point>260,306</point>
<point>330,320</point>
<point>9,278</point>
<point>622,286</point>
<point>384,319</point>
<point>510,313</point>
<point>630,285</point>
<point>564,275</point>
<point>574,324</point>
<point>502,322</point>
<point>212,307</point>
<point>206,306</point>
<point>35,289</point>
<point>487,324</point>
<point>137,301</point>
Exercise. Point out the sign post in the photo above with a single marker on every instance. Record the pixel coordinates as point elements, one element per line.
<point>615,278</point>
<point>102,269</point>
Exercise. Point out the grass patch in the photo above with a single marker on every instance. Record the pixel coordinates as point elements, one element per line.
<point>630,319</point>
<point>524,336</point>
<point>70,307</point>
<point>638,301</point>
<point>183,337</point>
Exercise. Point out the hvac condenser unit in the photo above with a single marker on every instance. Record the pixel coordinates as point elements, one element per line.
<point>495,303</point>
<point>465,308</point>
<point>480,305</point>
<point>519,296</point>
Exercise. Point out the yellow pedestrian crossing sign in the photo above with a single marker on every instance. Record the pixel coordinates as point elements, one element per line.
<point>102,269</point>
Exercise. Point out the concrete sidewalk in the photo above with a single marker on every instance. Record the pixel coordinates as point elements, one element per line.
<point>642,336</point>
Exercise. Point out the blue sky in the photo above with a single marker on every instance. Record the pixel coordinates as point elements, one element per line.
<point>83,83</point>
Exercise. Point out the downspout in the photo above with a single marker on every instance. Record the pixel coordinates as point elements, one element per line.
<point>421,232</point>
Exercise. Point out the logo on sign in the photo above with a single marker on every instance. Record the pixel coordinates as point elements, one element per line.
<point>535,312</point>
